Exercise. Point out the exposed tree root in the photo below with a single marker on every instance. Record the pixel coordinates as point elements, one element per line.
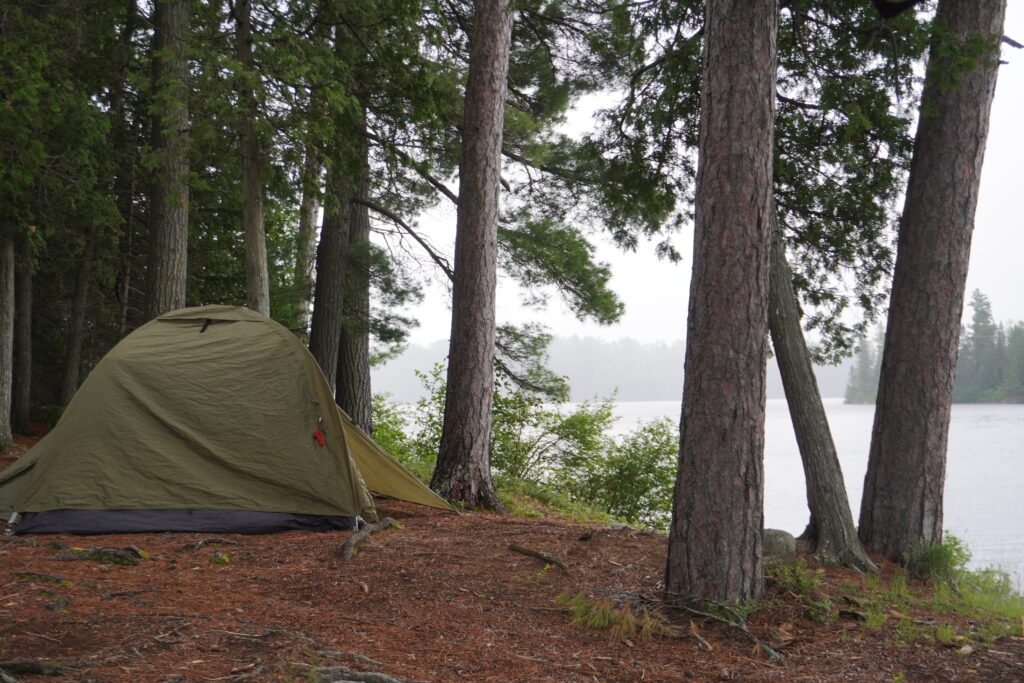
<point>349,547</point>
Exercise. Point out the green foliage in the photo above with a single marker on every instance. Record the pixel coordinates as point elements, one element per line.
<point>876,617</point>
<point>558,453</point>
<point>802,582</point>
<point>940,562</point>
<point>631,477</point>
<point>797,578</point>
<point>220,558</point>
<point>846,87</point>
<point>622,621</point>
<point>945,633</point>
<point>542,252</point>
<point>535,499</point>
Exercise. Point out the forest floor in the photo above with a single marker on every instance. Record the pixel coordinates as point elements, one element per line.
<point>444,598</point>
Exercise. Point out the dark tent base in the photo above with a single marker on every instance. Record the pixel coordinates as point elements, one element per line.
<point>144,521</point>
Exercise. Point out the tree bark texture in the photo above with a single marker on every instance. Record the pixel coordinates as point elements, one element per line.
<point>329,294</point>
<point>76,321</point>
<point>167,252</point>
<point>463,471</point>
<point>831,531</point>
<point>715,541</point>
<point>22,397</point>
<point>6,333</point>
<point>903,487</point>
<point>353,391</point>
<point>305,251</point>
<point>257,277</point>
<point>125,136</point>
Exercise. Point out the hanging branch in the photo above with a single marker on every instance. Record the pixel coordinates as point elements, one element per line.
<point>441,262</point>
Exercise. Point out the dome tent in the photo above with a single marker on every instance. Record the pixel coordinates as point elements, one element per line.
<point>212,418</point>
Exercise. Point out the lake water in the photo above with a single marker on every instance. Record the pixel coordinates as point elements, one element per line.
<point>984,500</point>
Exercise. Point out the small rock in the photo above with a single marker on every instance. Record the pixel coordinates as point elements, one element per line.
<point>779,546</point>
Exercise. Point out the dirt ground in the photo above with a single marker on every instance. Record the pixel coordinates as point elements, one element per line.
<point>441,599</point>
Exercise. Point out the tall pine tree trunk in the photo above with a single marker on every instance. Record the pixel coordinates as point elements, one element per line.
<point>6,331</point>
<point>76,321</point>
<point>463,471</point>
<point>715,541</point>
<point>830,533</point>
<point>257,277</point>
<point>305,248</point>
<point>125,134</point>
<point>22,397</point>
<point>903,487</point>
<point>167,252</point>
<point>329,291</point>
<point>353,392</point>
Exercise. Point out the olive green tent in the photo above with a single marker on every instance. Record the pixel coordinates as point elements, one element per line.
<point>212,418</point>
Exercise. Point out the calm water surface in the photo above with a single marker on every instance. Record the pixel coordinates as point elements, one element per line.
<point>984,501</point>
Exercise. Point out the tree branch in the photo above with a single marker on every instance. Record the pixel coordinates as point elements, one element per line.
<point>441,262</point>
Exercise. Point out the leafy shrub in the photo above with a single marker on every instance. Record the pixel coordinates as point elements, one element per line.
<point>940,562</point>
<point>797,578</point>
<point>561,452</point>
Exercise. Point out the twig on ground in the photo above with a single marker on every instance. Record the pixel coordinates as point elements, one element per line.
<point>354,655</point>
<point>41,668</point>
<point>679,602</point>
<point>539,554</point>
<point>331,674</point>
<point>198,545</point>
<point>128,594</point>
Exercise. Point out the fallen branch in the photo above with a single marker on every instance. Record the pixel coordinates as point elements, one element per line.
<point>33,576</point>
<point>354,655</point>
<point>128,593</point>
<point>40,668</point>
<point>348,548</point>
<point>680,602</point>
<point>539,554</point>
<point>332,674</point>
<point>198,545</point>
<point>129,555</point>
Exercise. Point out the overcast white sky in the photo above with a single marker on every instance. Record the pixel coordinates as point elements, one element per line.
<point>655,292</point>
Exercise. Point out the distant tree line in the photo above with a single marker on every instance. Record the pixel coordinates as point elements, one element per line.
<point>989,367</point>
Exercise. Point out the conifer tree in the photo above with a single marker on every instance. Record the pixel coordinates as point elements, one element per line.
<point>463,461</point>
<point>903,488</point>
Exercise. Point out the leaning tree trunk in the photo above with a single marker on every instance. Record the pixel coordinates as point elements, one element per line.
<point>257,277</point>
<point>6,332</point>
<point>305,238</point>
<point>903,487</point>
<point>22,396</point>
<point>715,542</point>
<point>830,533</point>
<point>168,229</point>
<point>353,391</point>
<point>76,321</point>
<point>463,471</point>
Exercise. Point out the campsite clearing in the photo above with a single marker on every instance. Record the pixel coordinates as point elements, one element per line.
<point>442,598</point>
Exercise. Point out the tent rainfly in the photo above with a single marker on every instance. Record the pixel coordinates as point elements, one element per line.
<point>212,418</point>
